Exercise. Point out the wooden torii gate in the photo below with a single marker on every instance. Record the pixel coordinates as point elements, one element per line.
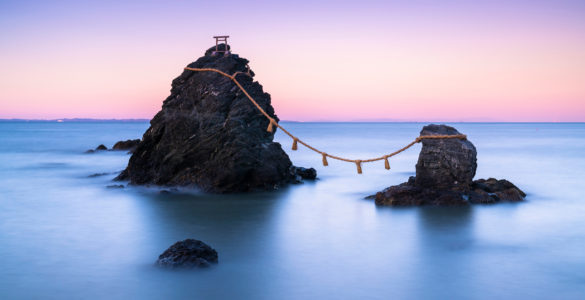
<point>218,39</point>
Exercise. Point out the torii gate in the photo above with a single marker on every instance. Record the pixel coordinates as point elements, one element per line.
<point>218,39</point>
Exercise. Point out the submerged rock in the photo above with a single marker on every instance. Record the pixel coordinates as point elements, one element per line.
<point>444,176</point>
<point>189,253</point>
<point>209,135</point>
<point>129,145</point>
<point>115,186</point>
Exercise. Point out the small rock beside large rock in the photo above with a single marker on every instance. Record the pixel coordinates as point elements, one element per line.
<point>189,253</point>
<point>444,176</point>
<point>129,145</point>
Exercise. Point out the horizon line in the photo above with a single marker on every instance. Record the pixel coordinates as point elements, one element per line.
<point>81,120</point>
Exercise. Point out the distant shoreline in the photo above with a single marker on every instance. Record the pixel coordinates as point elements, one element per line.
<point>77,120</point>
<point>87,120</point>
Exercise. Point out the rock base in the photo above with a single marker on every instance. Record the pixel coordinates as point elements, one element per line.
<point>483,192</point>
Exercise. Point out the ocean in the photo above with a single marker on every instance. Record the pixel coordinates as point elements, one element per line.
<point>65,235</point>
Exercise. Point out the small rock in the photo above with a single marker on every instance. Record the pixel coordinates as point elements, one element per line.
<point>101,148</point>
<point>444,176</point>
<point>129,145</point>
<point>97,175</point>
<point>304,173</point>
<point>115,186</point>
<point>189,253</point>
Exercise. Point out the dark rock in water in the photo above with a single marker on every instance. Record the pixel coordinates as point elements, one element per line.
<point>493,190</point>
<point>189,253</point>
<point>444,176</point>
<point>209,135</point>
<point>97,175</point>
<point>115,186</point>
<point>129,145</point>
<point>99,148</point>
<point>445,163</point>
<point>301,173</point>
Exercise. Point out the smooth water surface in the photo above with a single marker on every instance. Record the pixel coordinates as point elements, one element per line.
<point>65,235</point>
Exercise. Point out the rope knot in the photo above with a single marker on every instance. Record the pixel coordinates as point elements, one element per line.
<point>294,145</point>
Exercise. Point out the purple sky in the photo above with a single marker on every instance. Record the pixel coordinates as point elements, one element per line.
<point>400,60</point>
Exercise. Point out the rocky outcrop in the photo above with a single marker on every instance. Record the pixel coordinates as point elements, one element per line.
<point>101,147</point>
<point>444,176</point>
<point>129,145</point>
<point>189,253</point>
<point>209,135</point>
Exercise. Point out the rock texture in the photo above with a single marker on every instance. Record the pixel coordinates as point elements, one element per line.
<point>209,135</point>
<point>444,176</point>
<point>189,253</point>
<point>129,145</point>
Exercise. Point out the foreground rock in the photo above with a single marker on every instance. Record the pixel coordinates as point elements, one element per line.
<point>444,176</point>
<point>189,253</point>
<point>209,135</point>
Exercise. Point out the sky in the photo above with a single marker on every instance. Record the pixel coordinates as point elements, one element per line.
<point>496,61</point>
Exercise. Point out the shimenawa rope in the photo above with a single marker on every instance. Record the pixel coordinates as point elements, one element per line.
<point>296,140</point>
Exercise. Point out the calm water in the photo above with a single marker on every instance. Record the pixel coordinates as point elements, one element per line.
<point>64,235</point>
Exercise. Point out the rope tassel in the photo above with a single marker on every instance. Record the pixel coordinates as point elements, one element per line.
<point>325,159</point>
<point>358,164</point>
<point>270,124</point>
<point>295,146</point>
<point>386,163</point>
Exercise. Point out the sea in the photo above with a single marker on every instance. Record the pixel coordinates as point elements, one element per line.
<point>65,234</point>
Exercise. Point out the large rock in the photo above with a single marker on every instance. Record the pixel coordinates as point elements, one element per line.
<point>444,176</point>
<point>209,135</point>
<point>189,253</point>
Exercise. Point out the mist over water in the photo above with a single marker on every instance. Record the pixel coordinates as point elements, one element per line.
<point>65,235</point>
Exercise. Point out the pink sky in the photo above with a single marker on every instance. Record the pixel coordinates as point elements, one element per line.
<point>366,60</point>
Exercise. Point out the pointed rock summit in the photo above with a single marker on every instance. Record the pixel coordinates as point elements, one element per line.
<point>209,135</point>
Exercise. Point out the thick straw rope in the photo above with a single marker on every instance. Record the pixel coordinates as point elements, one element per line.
<point>296,140</point>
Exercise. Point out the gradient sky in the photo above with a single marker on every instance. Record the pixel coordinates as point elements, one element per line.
<point>320,60</point>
